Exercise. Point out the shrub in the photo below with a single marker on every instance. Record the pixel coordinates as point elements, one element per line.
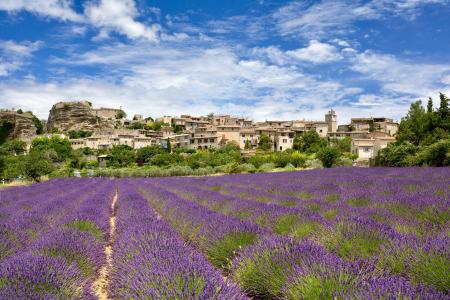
<point>267,167</point>
<point>313,164</point>
<point>328,156</point>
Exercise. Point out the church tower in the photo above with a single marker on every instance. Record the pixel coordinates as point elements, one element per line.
<point>331,119</point>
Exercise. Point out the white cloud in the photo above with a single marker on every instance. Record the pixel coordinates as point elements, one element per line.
<point>162,79</point>
<point>107,15</point>
<point>119,15</point>
<point>60,9</point>
<point>446,80</point>
<point>323,18</point>
<point>337,17</point>
<point>316,52</point>
<point>420,80</point>
<point>14,54</point>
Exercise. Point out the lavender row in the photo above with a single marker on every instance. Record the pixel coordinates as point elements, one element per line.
<point>297,222</point>
<point>63,260</point>
<point>21,227</point>
<point>216,235</point>
<point>150,260</point>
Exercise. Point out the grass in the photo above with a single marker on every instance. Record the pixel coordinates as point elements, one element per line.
<point>285,223</point>
<point>332,198</point>
<point>330,214</point>
<point>419,266</point>
<point>434,216</point>
<point>87,226</point>
<point>288,203</point>
<point>180,286</point>
<point>222,251</point>
<point>305,229</point>
<point>8,249</point>
<point>313,206</point>
<point>261,276</point>
<point>83,263</point>
<point>304,195</point>
<point>311,287</point>
<point>431,269</point>
<point>358,201</point>
<point>351,244</point>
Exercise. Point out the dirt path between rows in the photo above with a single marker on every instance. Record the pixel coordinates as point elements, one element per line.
<point>100,285</point>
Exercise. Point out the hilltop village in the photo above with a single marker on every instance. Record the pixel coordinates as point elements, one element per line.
<point>103,128</point>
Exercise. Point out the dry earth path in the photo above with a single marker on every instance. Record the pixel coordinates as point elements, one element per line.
<point>99,286</point>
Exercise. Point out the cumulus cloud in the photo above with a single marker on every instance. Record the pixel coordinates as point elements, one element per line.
<point>119,16</point>
<point>60,9</point>
<point>107,15</point>
<point>316,52</point>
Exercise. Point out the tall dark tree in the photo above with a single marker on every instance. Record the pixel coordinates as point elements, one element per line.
<point>430,105</point>
<point>413,127</point>
<point>443,110</point>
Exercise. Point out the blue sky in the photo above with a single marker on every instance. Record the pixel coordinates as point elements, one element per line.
<point>262,59</point>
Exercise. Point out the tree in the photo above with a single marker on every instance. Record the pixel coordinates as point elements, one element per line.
<point>413,127</point>
<point>443,113</point>
<point>434,155</point>
<point>430,105</point>
<point>5,130</point>
<point>20,111</point>
<point>60,146</point>
<point>265,143</point>
<point>169,146</point>
<point>145,154</point>
<point>344,145</point>
<point>396,155</point>
<point>36,165</point>
<point>309,142</point>
<point>38,124</point>
<point>78,134</point>
<point>248,145</point>
<point>14,166</point>
<point>121,114</point>
<point>328,156</point>
<point>122,156</point>
<point>177,128</point>
<point>14,147</point>
<point>443,110</point>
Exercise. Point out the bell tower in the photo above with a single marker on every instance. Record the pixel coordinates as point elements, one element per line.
<point>331,119</point>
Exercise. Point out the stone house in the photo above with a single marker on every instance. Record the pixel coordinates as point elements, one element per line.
<point>367,148</point>
<point>248,134</point>
<point>382,124</point>
<point>228,133</point>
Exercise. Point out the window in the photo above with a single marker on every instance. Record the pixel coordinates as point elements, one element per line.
<point>366,149</point>
<point>281,148</point>
<point>211,140</point>
<point>320,130</point>
<point>285,141</point>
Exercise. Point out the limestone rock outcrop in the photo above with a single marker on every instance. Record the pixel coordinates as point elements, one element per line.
<point>22,125</point>
<point>79,115</point>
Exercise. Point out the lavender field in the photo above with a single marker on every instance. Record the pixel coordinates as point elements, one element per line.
<point>343,233</point>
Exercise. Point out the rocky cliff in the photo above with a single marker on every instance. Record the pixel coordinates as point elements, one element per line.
<point>17,125</point>
<point>65,116</point>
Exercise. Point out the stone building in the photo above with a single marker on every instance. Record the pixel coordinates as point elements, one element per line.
<point>381,124</point>
<point>367,148</point>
